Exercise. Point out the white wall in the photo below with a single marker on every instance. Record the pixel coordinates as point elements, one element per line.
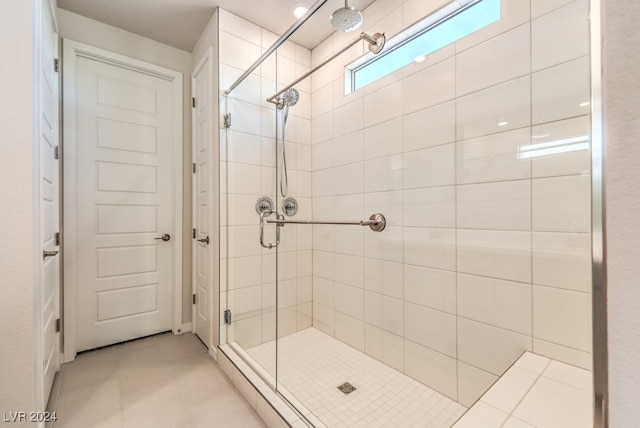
<point>621,91</point>
<point>85,30</point>
<point>17,228</point>
<point>486,253</point>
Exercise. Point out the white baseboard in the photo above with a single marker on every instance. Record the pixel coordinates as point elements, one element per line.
<point>213,351</point>
<point>185,327</point>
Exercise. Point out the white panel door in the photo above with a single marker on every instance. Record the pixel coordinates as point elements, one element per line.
<point>49,200</point>
<point>202,200</point>
<point>124,200</point>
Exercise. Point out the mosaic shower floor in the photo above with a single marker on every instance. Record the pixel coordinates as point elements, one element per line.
<point>312,365</point>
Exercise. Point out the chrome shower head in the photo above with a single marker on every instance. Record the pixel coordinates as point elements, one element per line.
<point>346,18</point>
<point>290,97</point>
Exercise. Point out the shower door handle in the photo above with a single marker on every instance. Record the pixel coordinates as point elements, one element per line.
<point>264,214</point>
<point>205,240</point>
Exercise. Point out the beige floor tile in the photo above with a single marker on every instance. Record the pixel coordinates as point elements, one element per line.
<point>199,376</point>
<point>97,405</point>
<point>155,404</point>
<point>140,365</point>
<point>227,407</point>
<point>89,368</point>
<point>177,347</point>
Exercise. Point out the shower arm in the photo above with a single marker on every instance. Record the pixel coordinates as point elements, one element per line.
<point>376,43</point>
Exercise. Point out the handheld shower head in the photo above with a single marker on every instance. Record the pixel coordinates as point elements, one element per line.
<point>290,97</point>
<point>346,18</point>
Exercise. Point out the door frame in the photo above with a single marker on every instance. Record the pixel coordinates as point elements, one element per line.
<point>71,51</point>
<point>207,60</point>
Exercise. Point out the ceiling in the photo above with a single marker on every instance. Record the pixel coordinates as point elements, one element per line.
<point>179,23</point>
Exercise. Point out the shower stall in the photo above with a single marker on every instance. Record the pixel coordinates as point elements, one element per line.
<point>389,251</point>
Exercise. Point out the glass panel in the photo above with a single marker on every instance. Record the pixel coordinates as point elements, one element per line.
<point>479,159</point>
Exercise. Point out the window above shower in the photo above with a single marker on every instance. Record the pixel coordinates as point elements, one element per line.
<point>437,30</point>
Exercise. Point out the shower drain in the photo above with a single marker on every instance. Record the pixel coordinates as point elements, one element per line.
<point>347,388</point>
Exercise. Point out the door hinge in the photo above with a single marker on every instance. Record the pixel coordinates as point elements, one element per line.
<point>193,167</point>
<point>56,65</point>
<point>57,238</point>
<point>193,102</point>
<point>56,152</point>
<point>194,234</point>
<point>227,316</point>
<point>58,325</point>
<point>193,299</point>
<point>227,120</point>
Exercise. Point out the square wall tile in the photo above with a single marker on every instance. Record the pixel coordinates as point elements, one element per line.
<point>348,149</point>
<point>495,253</point>
<point>323,318</point>
<point>430,207</point>
<point>349,270</point>
<point>505,304</point>
<point>383,174</point>
<point>431,368</point>
<point>390,204</point>
<point>383,105</point>
<point>384,139</point>
<point>501,205</point>
<point>489,348</point>
<point>560,92</point>
<point>349,118</point>
<point>434,248</point>
<point>430,328</point>
<point>383,277</point>
<point>430,167</point>
<point>472,383</point>
<point>493,157</point>
<point>562,317</point>
<point>429,127</point>
<point>350,331</point>
<point>496,109</point>
<point>577,161</point>
<point>560,35</point>
<point>428,87</point>
<point>384,346</point>
<point>433,288</point>
<point>236,51</point>
<point>384,312</point>
<point>563,353</point>
<point>323,291</point>
<point>497,60</point>
<point>570,375</point>
<point>562,204</point>
<point>349,300</point>
<point>562,260</point>
<point>386,245</point>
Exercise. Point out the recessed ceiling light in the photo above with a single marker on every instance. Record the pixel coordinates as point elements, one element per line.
<point>299,11</point>
<point>420,58</point>
<point>584,104</point>
<point>503,123</point>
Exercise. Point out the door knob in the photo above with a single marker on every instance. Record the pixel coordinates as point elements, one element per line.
<point>205,240</point>
<point>46,254</point>
<point>164,237</point>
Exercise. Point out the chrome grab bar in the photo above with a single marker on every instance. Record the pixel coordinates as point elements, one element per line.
<point>264,214</point>
<point>376,222</point>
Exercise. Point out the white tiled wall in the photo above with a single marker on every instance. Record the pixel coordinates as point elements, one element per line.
<point>248,168</point>
<point>487,252</point>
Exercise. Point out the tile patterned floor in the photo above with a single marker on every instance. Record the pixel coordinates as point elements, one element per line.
<point>159,381</point>
<point>313,364</point>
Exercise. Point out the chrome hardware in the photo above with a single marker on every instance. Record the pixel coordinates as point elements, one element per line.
<point>290,207</point>
<point>205,240</point>
<point>279,219</point>
<point>227,120</point>
<point>46,254</point>
<point>376,222</point>
<point>263,204</point>
<point>164,237</point>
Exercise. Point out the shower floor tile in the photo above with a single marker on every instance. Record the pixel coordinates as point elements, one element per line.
<point>311,366</point>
